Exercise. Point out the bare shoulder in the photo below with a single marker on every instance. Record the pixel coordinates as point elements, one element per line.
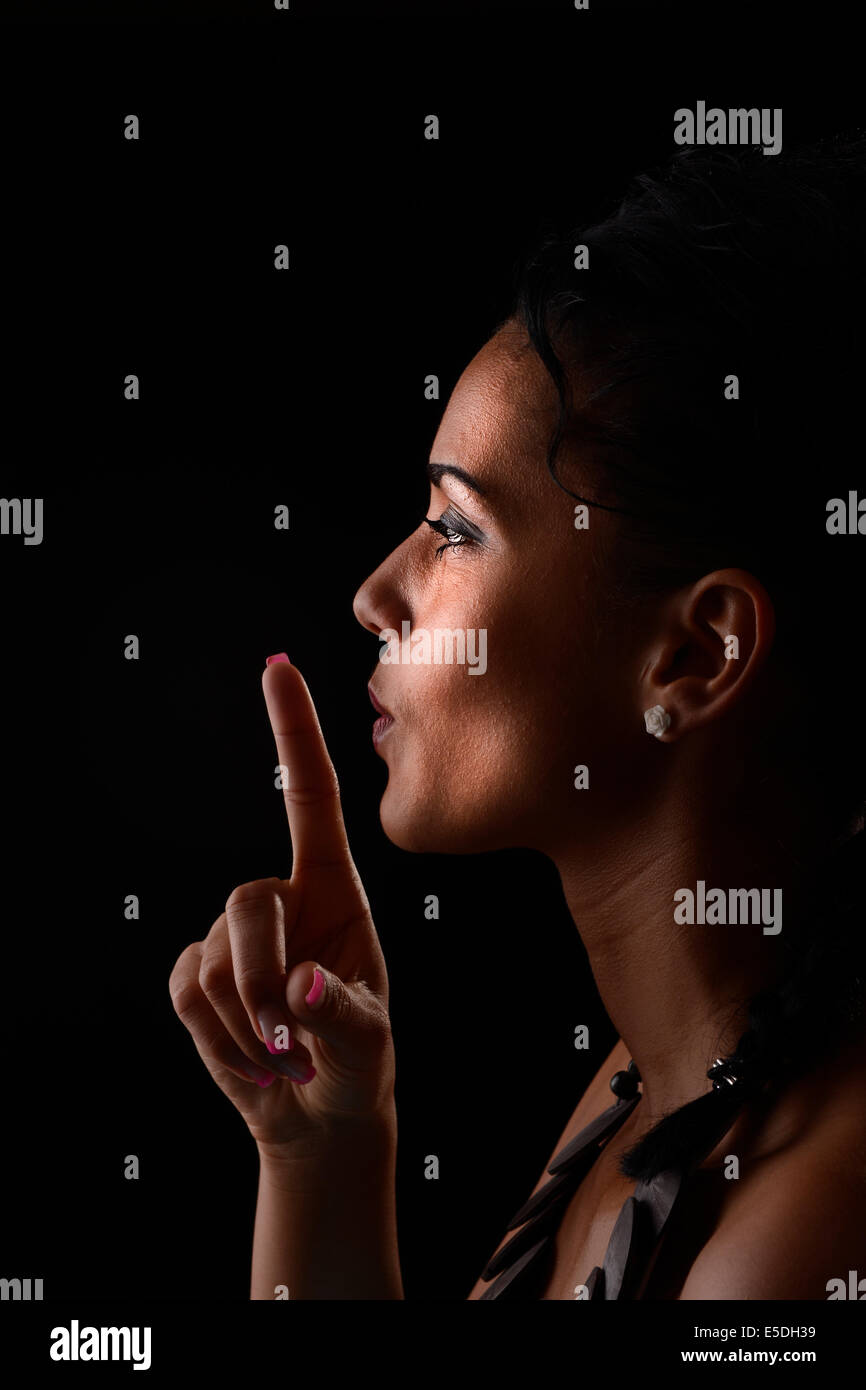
<point>795,1225</point>
<point>596,1098</point>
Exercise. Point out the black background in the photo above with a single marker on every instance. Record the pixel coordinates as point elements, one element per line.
<point>258,388</point>
<point>262,11</point>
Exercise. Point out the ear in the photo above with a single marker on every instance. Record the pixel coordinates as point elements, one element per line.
<point>712,639</point>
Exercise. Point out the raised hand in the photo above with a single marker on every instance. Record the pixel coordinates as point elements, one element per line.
<point>286,997</point>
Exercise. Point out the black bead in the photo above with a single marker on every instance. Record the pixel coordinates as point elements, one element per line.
<point>624,1084</point>
<point>725,1072</point>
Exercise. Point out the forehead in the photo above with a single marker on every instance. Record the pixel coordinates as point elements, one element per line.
<point>503,409</point>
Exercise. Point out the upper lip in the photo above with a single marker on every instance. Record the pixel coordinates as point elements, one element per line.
<point>377,704</point>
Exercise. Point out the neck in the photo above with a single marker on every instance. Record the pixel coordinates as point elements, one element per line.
<point>676,991</point>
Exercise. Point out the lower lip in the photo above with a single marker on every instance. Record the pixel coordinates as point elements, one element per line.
<point>381,726</point>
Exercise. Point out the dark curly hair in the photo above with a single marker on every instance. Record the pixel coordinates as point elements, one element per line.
<point>728,262</point>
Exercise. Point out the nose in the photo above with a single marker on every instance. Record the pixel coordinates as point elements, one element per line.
<point>362,606</point>
<point>380,601</point>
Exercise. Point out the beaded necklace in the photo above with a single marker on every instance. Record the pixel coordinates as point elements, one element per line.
<point>519,1267</point>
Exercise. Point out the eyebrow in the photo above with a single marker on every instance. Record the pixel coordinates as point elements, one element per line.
<point>435,471</point>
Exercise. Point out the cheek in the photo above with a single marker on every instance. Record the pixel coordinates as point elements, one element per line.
<point>480,760</point>
<point>484,756</point>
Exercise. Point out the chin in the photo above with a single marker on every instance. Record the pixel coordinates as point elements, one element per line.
<point>414,832</point>
<point>418,829</point>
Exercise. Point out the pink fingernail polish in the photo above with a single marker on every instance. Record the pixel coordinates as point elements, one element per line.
<point>269,1021</point>
<point>316,988</point>
<point>280,656</point>
<point>259,1075</point>
<point>296,1071</point>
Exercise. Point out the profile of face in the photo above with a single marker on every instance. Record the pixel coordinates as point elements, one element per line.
<point>485,760</point>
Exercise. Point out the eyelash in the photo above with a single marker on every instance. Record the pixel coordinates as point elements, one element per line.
<point>446,528</point>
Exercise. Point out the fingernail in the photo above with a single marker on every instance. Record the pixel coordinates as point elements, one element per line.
<point>280,656</point>
<point>275,1031</point>
<point>258,1074</point>
<point>301,1072</point>
<point>315,994</point>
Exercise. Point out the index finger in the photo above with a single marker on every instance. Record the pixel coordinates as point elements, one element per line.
<point>312,795</point>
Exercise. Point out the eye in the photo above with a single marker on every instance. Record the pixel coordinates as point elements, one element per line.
<point>458,532</point>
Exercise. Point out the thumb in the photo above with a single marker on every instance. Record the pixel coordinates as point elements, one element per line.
<point>342,1015</point>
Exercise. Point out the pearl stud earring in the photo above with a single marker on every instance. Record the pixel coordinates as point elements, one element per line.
<point>657,720</point>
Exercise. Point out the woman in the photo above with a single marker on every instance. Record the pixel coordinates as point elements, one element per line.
<point>633,496</point>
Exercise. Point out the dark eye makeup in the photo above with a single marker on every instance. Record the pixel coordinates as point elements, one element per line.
<point>458,532</point>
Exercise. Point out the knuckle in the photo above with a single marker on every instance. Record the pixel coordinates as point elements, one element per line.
<point>216,933</point>
<point>257,891</point>
<point>185,996</point>
<point>215,974</point>
<point>215,1047</point>
<point>336,859</point>
<point>312,796</point>
<point>253,980</point>
<point>185,972</point>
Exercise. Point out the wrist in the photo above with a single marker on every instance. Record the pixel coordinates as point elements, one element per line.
<point>355,1141</point>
